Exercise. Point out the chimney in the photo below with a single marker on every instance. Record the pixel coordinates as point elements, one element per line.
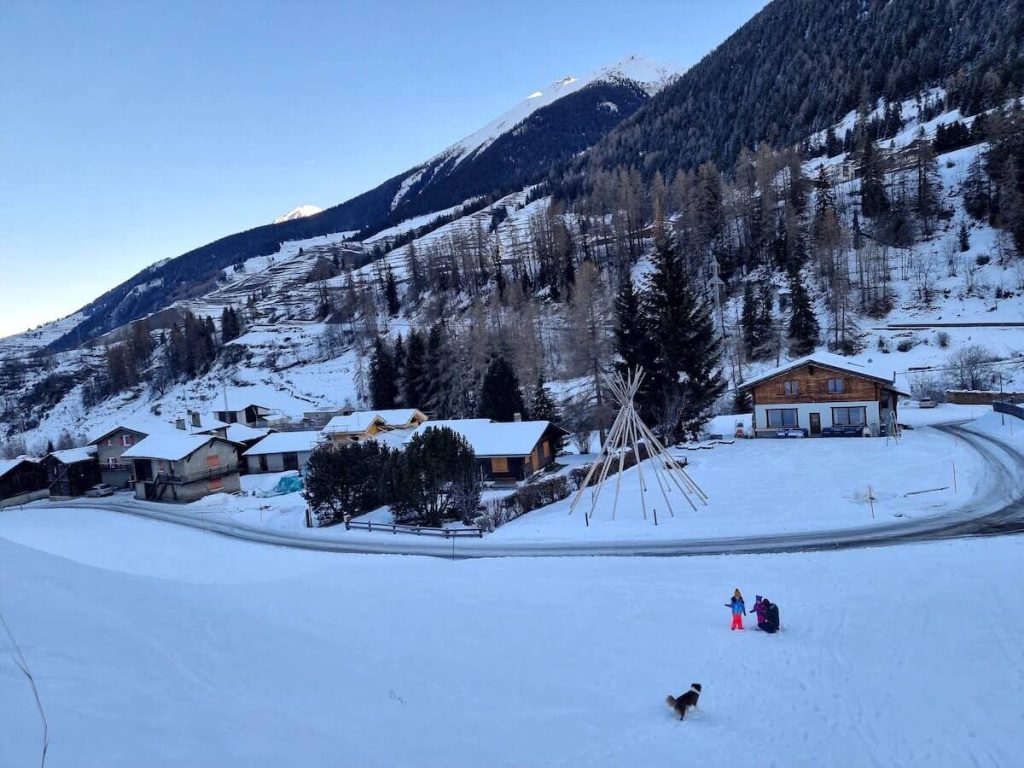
<point>180,424</point>
<point>517,416</point>
<point>195,419</point>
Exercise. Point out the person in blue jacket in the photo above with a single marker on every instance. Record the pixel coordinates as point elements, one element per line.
<point>739,610</point>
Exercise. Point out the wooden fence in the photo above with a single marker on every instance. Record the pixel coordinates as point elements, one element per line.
<point>419,530</point>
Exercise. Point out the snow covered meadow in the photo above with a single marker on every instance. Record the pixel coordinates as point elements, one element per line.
<point>161,646</point>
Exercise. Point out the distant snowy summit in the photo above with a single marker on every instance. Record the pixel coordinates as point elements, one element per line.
<point>298,213</point>
<point>649,75</point>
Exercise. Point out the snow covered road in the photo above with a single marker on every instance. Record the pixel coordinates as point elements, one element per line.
<point>999,508</point>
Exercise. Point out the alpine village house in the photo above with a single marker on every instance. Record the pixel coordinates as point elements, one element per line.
<point>823,395</point>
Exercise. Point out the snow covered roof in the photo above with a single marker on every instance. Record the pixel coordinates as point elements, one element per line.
<point>285,442</point>
<point>172,446</point>
<point>74,455</point>
<point>142,425</point>
<point>492,438</point>
<point>6,465</point>
<point>869,370</point>
<point>360,421</point>
<point>241,433</point>
<point>398,417</point>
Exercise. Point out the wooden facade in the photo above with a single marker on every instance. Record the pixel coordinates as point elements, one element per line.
<point>818,399</point>
<point>19,477</point>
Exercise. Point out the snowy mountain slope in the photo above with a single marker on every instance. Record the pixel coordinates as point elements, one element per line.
<point>651,76</point>
<point>298,213</point>
<point>513,151</point>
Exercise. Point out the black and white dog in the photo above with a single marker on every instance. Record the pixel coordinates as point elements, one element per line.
<point>682,703</point>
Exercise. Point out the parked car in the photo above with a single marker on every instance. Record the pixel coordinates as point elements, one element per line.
<point>926,402</point>
<point>100,489</point>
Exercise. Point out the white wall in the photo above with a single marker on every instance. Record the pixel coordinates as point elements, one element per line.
<point>804,411</point>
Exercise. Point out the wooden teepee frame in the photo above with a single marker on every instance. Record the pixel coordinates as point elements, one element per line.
<point>626,433</point>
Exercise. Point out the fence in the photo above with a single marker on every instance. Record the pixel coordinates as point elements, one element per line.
<point>419,530</point>
<point>24,498</point>
<point>1009,409</point>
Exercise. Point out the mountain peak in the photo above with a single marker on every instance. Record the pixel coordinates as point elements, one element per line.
<point>298,213</point>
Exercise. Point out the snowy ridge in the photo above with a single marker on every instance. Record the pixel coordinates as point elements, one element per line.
<point>298,213</point>
<point>649,75</point>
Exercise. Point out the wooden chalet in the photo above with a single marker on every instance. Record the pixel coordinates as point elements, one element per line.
<point>21,480</point>
<point>823,395</point>
<point>506,451</point>
<point>360,425</point>
<point>72,472</point>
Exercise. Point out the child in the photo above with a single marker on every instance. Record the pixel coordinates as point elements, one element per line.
<point>739,610</point>
<point>760,609</point>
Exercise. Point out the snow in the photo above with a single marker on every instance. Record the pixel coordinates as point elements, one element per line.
<point>769,486</point>
<point>168,447</point>
<point>6,465</point>
<point>300,212</point>
<point>490,438</point>
<point>241,433</point>
<point>74,455</point>
<point>264,656</point>
<point>648,74</point>
<point>285,442</point>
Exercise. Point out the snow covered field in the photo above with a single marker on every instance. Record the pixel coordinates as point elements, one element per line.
<point>160,646</point>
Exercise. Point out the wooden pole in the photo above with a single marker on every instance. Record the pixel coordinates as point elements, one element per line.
<point>954,476</point>
<point>871,501</point>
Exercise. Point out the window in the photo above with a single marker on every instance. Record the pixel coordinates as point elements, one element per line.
<point>782,417</point>
<point>499,466</point>
<point>856,416</point>
<point>835,386</point>
<point>791,387</point>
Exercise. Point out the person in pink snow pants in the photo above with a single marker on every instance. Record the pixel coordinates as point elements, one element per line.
<point>739,610</point>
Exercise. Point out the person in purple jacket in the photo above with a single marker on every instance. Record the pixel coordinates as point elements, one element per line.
<point>761,610</point>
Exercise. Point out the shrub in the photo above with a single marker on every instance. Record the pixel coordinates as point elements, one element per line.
<point>942,338</point>
<point>526,499</point>
<point>434,478</point>
<point>982,259</point>
<point>346,479</point>
<point>905,345</point>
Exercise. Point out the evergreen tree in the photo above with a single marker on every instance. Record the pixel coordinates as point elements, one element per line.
<point>873,199</point>
<point>434,478</point>
<point>383,378</point>
<point>413,381</point>
<point>686,376</point>
<point>49,446</point>
<point>398,355</point>
<point>391,293</point>
<point>803,325</point>
<point>500,396</point>
<point>543,408</point>
<point>438,373</point>
<point>965,237</point>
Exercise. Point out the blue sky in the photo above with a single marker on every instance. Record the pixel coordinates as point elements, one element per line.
<point>134,131</point>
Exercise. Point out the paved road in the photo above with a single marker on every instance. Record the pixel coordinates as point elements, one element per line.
<point>999,511</point>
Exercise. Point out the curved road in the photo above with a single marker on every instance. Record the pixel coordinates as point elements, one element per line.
<point>999,510</point>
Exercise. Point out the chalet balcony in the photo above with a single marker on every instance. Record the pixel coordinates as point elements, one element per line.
<point>194,477</point>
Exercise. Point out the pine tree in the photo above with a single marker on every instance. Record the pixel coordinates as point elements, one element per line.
<point>415,372</point>
<point>500,395</point>
<point>686,377</point>
<point>965,237</point>
<point>391,293</point>
<point>803,325</point>
<point>543,408</point>
<point>438,373</point>
<point>873,199</point>
<point>383,381</point>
